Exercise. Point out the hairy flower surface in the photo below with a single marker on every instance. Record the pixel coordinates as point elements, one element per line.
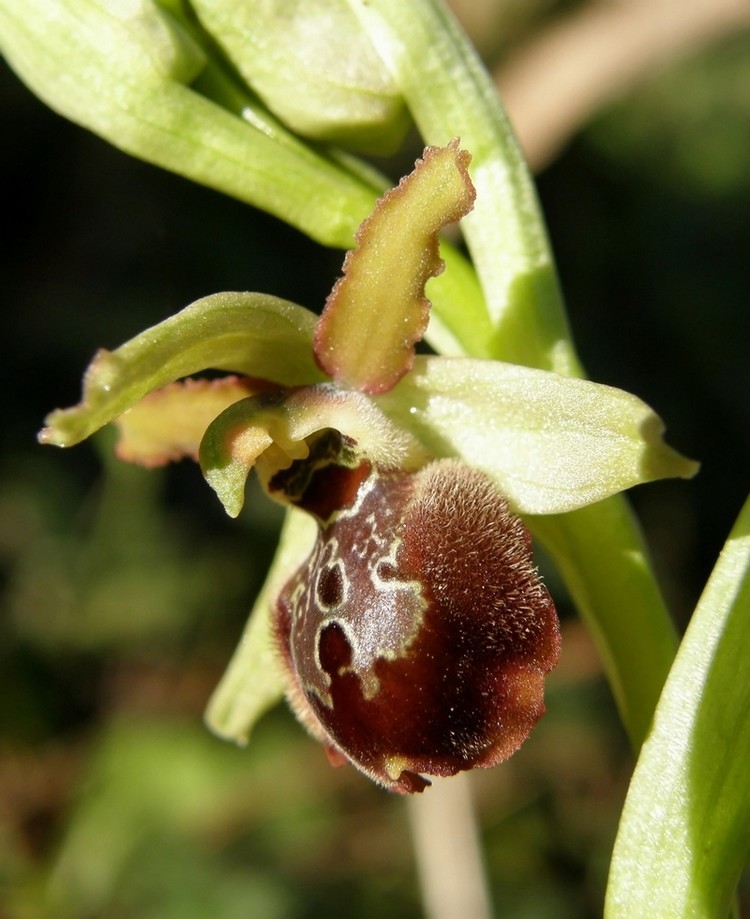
<point>417,634</point>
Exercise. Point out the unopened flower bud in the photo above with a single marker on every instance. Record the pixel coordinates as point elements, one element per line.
<point>314,66</point>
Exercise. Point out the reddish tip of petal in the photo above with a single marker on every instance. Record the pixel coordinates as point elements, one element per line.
<point>335,757</point>
<point>412,783</point>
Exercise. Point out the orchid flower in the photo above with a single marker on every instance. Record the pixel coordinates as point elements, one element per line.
<point>403,614</point>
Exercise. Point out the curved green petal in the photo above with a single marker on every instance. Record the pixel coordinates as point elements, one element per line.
<point>685,829</point>
<point>248,333</point>
<point>254,679</point>
<point>552,443</point>
<point>273,428</point>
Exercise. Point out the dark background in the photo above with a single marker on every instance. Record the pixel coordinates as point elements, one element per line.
<point>124,591</point>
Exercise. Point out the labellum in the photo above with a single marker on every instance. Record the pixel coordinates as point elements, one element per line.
<point>417,634</point>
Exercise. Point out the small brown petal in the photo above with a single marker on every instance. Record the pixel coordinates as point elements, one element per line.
<point>167,425</point>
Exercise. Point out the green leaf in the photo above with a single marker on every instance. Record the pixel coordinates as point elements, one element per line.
<point>314,66</point>
<point>377,311</point>
<point>254,334</point>
<point>552,443</point>
<point>685,830</point>
<point>122,70</point>
<point>254,679</point>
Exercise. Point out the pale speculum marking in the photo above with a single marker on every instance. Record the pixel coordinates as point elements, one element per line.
<point>352,579</point>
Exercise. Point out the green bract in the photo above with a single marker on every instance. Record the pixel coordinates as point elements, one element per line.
<point>551,443</point>
<point>141,78</point>
<point>314,66</point>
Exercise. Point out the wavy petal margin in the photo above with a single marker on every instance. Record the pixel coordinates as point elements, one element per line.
<point>552,443</point>
<point>378,311</point>
<point>169,423</point>
<point>248,333</point>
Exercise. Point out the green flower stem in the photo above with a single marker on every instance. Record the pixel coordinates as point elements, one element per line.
<point>685,829</point>
<point>448,850</point>
<point>450,94</point>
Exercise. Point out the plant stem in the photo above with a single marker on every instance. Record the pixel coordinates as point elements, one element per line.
<point>450,94</point>
<point>448,851</point>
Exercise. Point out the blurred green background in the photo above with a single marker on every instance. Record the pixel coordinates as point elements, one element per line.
<point>124,591</point>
